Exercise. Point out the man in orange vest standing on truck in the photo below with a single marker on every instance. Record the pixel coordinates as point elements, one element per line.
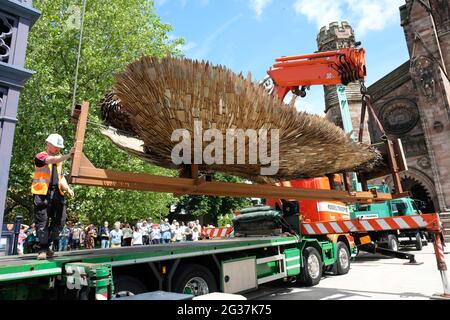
<point>48,188</point>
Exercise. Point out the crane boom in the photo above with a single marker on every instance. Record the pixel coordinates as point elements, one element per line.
<point>323,68</point>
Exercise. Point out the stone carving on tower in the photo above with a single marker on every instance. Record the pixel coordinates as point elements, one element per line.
<point>399,116</point>
<point>422,69</point>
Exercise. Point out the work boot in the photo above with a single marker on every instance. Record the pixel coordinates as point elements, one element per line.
<point>42,255</point>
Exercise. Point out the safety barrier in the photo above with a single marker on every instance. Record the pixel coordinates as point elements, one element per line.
<point>357,227</point>
<point>216,233</point>
<point>426,221</point>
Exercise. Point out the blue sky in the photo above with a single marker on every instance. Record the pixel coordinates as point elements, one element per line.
<point>247,35</point>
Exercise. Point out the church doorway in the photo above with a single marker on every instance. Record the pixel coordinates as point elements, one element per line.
<point>420,193</point>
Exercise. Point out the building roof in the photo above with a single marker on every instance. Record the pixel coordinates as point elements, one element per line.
<point>391,81</point>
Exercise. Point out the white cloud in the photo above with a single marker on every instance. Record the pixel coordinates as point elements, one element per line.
<point>259,5</point>
<point>322,12</point>
<point>375,15</point>
<point>364,15</point>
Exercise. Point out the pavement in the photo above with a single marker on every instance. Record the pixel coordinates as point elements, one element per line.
<point>371,277</point>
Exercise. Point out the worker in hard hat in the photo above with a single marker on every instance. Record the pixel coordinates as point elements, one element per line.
<point>48,188</point>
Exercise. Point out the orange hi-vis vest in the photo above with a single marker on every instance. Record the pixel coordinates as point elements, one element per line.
<point>42,178</point>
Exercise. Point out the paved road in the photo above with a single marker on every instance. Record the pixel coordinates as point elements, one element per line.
<point>372,277</point>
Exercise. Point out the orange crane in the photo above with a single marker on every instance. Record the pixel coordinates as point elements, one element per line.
<point>296,73</point>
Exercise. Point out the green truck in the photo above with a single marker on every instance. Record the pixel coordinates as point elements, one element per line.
<point>394,208</point>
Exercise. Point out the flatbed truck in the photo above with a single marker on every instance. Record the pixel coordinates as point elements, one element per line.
<point>231,265</point>
<point>228,265</point>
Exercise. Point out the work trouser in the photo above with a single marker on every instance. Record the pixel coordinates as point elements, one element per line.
<point>50,217</point>
<point>127,242</point>
<point>75,244</point>
<point>105,244</point>
<point>63,243</point>
<point>30,247</point>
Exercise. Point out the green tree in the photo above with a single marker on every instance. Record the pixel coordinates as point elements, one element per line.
<point>114,36</point>
<point>215,207</point>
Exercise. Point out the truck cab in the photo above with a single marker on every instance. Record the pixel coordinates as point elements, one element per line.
<point>394,208</point>
<point>311,210</point>
<point>319,211</point>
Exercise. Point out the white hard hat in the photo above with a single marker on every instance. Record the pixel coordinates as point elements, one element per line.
<point>56,140</point>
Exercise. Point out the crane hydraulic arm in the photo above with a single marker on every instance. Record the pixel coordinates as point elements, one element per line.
<point>296,73</point>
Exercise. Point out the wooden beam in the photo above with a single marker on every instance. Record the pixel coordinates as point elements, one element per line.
<point>90,176</point>
<point>394,167</point>
<point>80,112</point>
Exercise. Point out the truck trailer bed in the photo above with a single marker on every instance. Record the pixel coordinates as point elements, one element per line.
<point>27,266</point>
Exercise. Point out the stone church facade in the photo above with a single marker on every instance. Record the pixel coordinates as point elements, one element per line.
<point>413,101</point>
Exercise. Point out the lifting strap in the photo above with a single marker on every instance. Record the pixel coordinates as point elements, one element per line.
<point>367,104</point>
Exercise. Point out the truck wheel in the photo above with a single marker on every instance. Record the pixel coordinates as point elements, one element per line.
<point>392,242</point>
<point>342,258</point>
<point>127,285</point>
<point>196,280</point>
<point>419,245</point>
<point>312,268</point>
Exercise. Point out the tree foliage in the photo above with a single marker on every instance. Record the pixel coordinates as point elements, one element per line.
<point>215,207</point>
<point>115,34</point>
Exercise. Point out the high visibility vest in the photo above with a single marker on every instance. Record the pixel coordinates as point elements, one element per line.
<point>42,178</point>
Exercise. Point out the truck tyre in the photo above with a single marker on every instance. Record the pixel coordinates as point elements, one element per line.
<point>129,285</point>
<point>312,267</point>
<point>342,258</point>
<point>392,242</point>
<point>194,279</point>
<point>419,245</point>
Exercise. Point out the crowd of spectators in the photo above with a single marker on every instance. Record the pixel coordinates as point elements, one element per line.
<point>143,233</point>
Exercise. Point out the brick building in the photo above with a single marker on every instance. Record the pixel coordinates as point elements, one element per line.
<point>413,101</point>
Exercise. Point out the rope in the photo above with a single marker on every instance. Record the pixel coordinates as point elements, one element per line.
<point>75,87</point>
<point>103,126</point>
